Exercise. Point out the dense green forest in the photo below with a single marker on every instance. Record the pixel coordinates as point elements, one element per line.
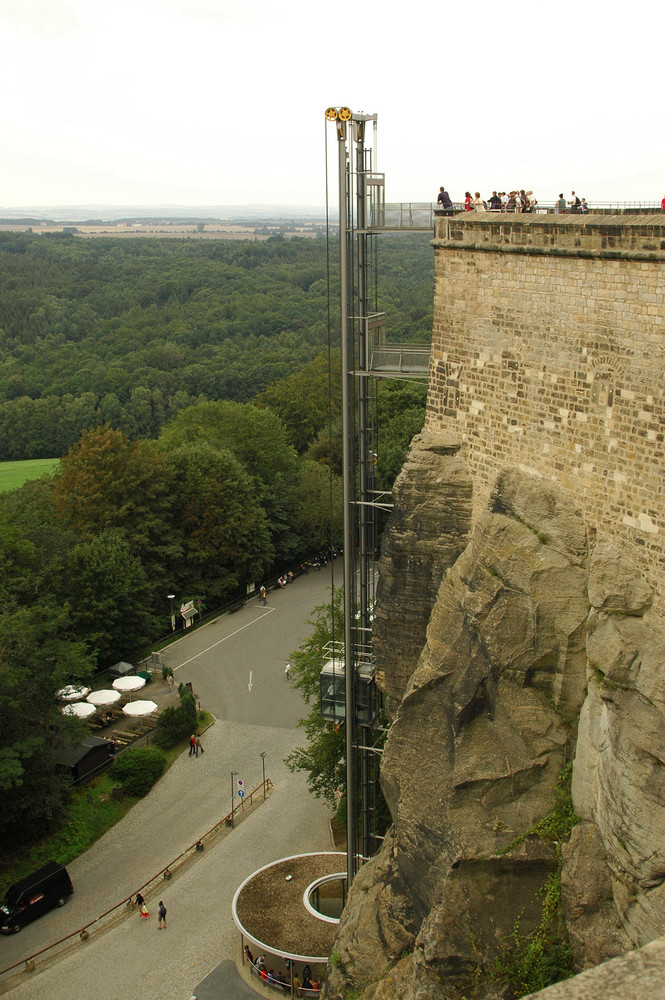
<point>194,396</point>
<point>94,331</point>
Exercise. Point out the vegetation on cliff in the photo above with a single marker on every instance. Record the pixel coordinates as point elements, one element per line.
<point>528,962</point>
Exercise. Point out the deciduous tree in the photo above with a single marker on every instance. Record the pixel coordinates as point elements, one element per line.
<point>222,528</point>
<point>107,482</point>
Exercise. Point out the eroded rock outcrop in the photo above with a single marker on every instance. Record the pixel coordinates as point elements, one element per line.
<point>536,627</point>
<point>427,530</point>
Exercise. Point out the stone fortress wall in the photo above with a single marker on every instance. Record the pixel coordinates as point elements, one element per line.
<point>548,353</point>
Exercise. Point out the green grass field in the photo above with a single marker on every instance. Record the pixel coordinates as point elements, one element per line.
<point>14,474</point>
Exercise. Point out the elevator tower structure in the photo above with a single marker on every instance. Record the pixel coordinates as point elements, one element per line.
<point>358,187</point>
<point>348,691</point>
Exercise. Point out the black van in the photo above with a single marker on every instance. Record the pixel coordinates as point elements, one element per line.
<point>34,895</point>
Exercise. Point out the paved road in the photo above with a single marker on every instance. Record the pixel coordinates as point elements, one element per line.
<point>131,958</point>
<point>236,664</point>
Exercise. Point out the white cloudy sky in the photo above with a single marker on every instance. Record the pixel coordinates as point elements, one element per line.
<point>199,102</point>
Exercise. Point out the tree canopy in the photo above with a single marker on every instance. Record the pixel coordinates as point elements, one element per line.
<point>131,333</point>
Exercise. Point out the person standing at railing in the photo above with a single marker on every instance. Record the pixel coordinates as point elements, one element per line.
<point>662,205</point>
<point>443,199</point>
<point>584,208</point>
<point>560,207</point>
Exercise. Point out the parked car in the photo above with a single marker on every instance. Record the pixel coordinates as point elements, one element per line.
<point>33,895</point>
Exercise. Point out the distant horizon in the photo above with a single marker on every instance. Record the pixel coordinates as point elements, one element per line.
<point>108,212</point>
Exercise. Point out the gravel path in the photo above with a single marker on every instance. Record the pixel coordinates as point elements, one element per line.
<point>131,958</point>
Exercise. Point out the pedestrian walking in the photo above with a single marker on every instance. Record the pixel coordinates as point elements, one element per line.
<point>199,746</point>
<point>192,745</point>
<point>264,596</point>
<point>287,671</point>
<point>161,915</point>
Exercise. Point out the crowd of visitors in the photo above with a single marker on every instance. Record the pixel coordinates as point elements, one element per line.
<point>511,201</point>
<point>283,979</point>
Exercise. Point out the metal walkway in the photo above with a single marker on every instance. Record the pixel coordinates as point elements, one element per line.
<point>403,216</point>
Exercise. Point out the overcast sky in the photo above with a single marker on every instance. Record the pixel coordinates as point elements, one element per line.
<point>200,102</point>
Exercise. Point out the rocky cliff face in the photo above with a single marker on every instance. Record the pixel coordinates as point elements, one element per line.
<point>537,632</point>
<point>433,497</point>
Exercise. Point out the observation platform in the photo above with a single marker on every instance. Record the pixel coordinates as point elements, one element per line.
<point>416,216</point>
<point>410,361</point>
<point>403,216</point>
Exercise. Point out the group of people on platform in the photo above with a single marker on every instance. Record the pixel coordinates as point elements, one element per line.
<point>283,979</point>
<point>574,206</point>
<point>511,201</point>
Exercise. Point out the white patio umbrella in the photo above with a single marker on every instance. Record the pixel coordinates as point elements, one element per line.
<point>140,707</point>
<point>104,697</point>
<point>73,692</point>
<point>129,684</point>
<point>81,709</point>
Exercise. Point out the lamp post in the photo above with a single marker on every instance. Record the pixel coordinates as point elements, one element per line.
<point>171,598</point>
<point>233,774</point>
<point>263,765</point>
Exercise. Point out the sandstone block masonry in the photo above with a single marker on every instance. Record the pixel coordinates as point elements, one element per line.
<point>548,353</point>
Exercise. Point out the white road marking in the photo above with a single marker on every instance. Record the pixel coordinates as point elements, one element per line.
<point>241,629</point>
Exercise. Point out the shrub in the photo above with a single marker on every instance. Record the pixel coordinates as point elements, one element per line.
<point>176,724</point>
<point>172,727</point>
<point>139,769</point>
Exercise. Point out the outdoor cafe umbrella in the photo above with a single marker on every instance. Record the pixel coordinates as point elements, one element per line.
<point>73,692</point>
<point>140,707</point>
<point>129,684</point>
<point>104,697</point>
<point>81,709</point>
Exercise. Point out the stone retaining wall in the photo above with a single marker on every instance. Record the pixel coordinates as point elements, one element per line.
<point>548,354</point>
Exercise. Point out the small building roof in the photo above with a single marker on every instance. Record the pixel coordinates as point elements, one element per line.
<point>269,906</point>
<point>72,755</point>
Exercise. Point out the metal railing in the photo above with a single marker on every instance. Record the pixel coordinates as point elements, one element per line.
<point>105,918</point>
<point>413,215</point>
<point>549,208</point>
<point>400,359</point>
